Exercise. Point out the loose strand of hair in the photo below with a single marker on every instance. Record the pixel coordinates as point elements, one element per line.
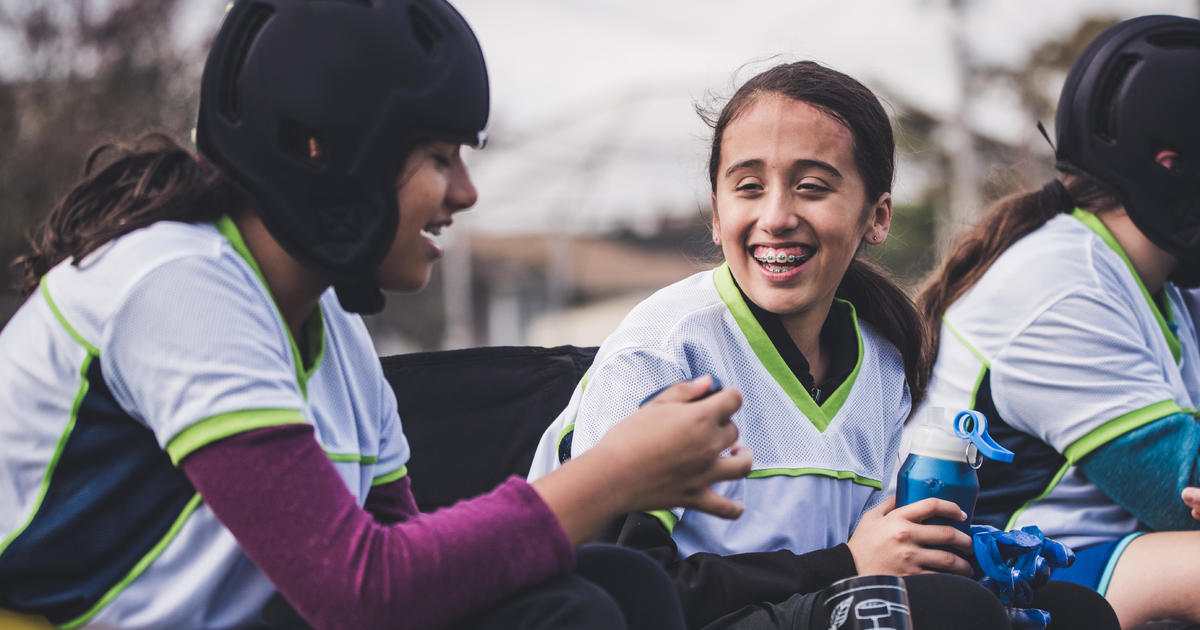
<point>879,300</point>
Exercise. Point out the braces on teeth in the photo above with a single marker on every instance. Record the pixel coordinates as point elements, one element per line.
<point>772,258</point>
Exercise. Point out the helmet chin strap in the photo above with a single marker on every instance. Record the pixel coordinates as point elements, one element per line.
<point>365,299</point>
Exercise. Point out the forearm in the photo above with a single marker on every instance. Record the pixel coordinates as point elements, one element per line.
<point>1146,469</point>
<point>290,511</point>
<point>585,494</point>
<point>711,585</point>
<point>392,502</point>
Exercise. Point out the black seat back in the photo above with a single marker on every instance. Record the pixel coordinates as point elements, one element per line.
<point>473,417</point>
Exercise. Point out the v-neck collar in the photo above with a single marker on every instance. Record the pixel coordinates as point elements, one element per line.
<point>760,342</point>
<point>314,326</point>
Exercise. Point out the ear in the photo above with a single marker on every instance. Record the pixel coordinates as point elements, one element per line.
<point>716,221</point>
<point>1168,159</point>
<point>880,220</point>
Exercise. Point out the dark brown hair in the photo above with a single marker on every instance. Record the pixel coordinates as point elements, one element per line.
<point>123,188</point>
<point>876,297</point>
<point>1005,222</point>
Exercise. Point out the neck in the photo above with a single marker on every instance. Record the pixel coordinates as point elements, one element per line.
<point>1151,263</point>
<point>805,330</point>
<point>294,287</point>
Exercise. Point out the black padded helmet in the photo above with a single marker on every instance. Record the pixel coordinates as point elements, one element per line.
<point>312,106</point>
<point>1135,91</point>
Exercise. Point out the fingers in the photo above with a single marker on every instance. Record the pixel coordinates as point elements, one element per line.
<point>942,536</point>
<point>926,509</point>
<point>945,562</point>
<point>707,500</point>
<point>1191,496</point>
<point>736,465</point>
<point>684,391</point>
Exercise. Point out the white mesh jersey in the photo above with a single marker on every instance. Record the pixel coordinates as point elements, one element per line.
<point>817,468</point>
<point>163,341</point>
<point>1061,343</point>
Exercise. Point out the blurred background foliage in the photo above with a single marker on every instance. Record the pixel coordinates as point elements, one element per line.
<point>101,71</point>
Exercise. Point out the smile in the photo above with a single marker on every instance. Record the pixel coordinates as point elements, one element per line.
<point>781,259</point>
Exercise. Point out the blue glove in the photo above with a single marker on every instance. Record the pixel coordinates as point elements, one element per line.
<point>1015,563</point>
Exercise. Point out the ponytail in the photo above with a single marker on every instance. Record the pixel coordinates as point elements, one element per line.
<point>125,188</point>
<point>1005,222</point>
<point>878,299</point>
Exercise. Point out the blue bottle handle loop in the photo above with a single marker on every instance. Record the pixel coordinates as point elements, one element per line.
<point>972,425</point>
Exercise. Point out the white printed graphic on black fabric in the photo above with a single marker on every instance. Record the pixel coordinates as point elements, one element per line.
<point>873,610</point>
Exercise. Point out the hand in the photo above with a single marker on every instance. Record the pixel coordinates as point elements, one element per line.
<point>670,450</point>
<point>893,541</point>
<point>665,455</point>
<point>1191,498</point>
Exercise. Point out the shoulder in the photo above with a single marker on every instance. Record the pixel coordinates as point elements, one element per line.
<point>1060,260</point>
<point>180,254</point>
<point>669,316</point>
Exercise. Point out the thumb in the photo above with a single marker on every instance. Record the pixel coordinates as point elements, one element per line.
<point>881,510</point>
<point>709,501</point>
<point>684,391</point>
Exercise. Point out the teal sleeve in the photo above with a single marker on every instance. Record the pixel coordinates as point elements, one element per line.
<point>1146,469</point>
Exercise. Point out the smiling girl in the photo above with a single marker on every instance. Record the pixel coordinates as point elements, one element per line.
<point>193,420</point>
<point>827,352</point>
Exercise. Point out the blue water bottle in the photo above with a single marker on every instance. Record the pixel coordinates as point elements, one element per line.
<point>942,461</point>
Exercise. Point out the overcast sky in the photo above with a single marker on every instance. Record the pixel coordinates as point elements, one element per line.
<point>592,100</point>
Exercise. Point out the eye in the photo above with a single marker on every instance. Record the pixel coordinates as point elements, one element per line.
<point>748,186</point>
<point>811,184</point>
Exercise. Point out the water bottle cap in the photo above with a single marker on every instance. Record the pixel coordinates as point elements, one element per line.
<point>972,425</point>
<point>934,437</point>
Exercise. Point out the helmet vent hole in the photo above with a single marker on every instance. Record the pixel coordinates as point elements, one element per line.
<point>1104,123</point>
<point>424,30</point>
<point>300,143</point>
<point>243,37</point>
<point>1175,39</point>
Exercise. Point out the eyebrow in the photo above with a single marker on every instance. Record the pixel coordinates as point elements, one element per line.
<point>802,164</point>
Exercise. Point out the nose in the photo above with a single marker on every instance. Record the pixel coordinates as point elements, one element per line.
<point>779,216</point>
<point>461,193</point>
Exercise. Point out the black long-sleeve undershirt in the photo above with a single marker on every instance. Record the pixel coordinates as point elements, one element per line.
<point>711,585</point>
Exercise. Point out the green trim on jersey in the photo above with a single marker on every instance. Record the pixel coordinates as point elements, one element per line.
<point>138,568</point>
<point>63,320</point>
<point>314,330</point>
<point>987,365</point>
<point>583,381</point>
<point>352,458</point>
<point>52,465</point>
<point>395,475</point>
<point>570,428</point>
<point>1097,226</point>
<point>667,518</point>
<point>223,425</point>
<point>819,415</point>
<point>823,472</point>
<point>1098,437</point>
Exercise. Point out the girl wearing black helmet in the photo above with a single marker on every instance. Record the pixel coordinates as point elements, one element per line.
<point>1065,316</point>
<point>193,420</point>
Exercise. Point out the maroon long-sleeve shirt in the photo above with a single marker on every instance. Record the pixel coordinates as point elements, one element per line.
<point>342,566</point>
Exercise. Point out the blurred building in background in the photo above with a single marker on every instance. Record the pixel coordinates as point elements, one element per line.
<point>593,190</point>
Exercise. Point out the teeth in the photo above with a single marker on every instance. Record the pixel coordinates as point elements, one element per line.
<point>779,261</point>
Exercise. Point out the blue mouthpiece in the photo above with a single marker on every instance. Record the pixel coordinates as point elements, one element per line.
<point>972,425</point>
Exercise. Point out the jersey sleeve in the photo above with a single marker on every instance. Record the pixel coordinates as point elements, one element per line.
<point>616,386</point>
<point>197,352</point>
<point>1080,374</point>
<point>393,445</point>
